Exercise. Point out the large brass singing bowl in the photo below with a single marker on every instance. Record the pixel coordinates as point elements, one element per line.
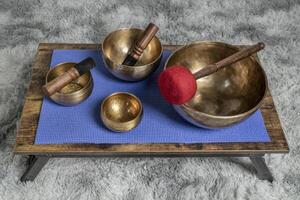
<point>225,97</point>
<point>121,112</point>
<point>115,48</point>
<point>76,91</point>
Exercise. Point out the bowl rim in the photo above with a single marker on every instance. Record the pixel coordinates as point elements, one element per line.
<point>139,115</point>
<point>135,66</point>
<point>72,93</point>
<point>235,47</point>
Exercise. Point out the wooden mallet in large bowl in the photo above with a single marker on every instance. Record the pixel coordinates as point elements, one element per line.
<point>178,85</point>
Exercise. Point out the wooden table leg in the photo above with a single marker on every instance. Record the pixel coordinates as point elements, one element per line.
<point>263,172</point>
<point>36,163</point>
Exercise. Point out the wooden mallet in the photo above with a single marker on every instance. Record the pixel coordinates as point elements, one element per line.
<point>178,85</point>
<point>140,45</point>
<point>65,78</point>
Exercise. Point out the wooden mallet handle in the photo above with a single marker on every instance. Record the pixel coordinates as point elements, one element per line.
<point>144,40</point>
<point>61,81</point>
<point>210,69</point>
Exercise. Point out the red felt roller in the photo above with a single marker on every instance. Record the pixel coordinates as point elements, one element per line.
<point>178,85</point>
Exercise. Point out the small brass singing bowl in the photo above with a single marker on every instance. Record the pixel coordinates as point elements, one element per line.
<point>121,112</point>
<point>76,91</point>
<point>115,48</point>
<point>226,97</point>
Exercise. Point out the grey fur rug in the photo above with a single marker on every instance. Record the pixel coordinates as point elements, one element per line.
<point>24,24</point>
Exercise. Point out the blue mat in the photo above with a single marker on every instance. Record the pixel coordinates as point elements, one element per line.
<point>160,124</point>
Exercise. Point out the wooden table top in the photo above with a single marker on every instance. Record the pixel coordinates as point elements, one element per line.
<point>33,102</point>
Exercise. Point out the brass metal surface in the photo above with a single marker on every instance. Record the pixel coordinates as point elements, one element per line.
<point>76,91</point>
<point>121,112</point>
<point>115,48</point>
<point>225,97</point>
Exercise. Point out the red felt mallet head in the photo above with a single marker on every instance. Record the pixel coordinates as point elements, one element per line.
<point>178,85</point>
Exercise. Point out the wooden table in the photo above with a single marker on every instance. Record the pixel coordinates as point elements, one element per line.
<point>39,154</point>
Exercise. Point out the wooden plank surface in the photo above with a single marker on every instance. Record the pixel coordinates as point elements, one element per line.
<point>33,102</point>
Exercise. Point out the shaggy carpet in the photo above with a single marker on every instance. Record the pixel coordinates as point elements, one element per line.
<point>24,24</point>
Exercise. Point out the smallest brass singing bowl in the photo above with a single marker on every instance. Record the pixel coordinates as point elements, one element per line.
<point>76,91</point>
<point>121,112</point>
<point>115,48</point>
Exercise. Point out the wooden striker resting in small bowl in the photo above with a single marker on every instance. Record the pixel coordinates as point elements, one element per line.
<point>75,91</point>
<point>147,52</point>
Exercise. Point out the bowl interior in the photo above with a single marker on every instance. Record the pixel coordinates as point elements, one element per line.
<point>118,43</point>
<point>121,107</point>
<point>232,90</point>
<point>72,87</point>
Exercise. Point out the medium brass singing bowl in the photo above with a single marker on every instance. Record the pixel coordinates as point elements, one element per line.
<point>121,112</point>
<point>115,48</point>
<point>225,97</point>
<point>76,91</point>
